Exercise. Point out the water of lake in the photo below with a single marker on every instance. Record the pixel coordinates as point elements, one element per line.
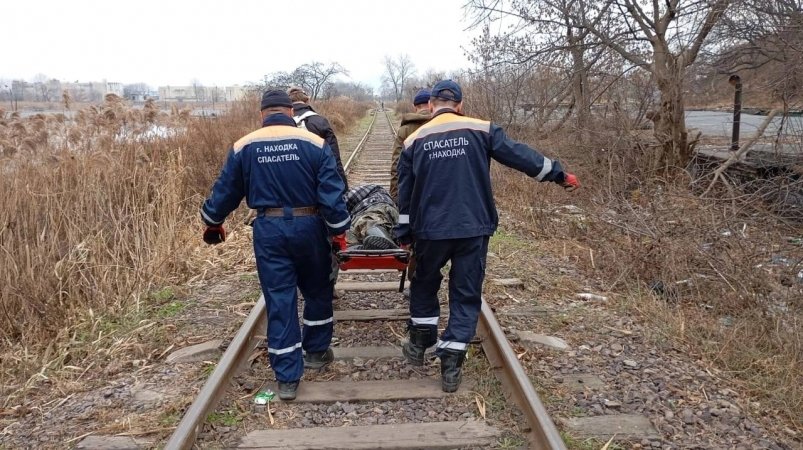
<point>720,123</point>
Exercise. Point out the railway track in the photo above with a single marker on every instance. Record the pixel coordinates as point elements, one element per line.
<point>370,162</point>
<point>388,403</point>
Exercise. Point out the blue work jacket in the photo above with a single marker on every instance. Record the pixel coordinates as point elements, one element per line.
<point>279,166</point>
<point>445,180</point>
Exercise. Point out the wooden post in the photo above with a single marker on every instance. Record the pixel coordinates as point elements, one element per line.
<point>736,82</point>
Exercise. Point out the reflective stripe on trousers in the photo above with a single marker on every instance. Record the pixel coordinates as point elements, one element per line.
<point>466,275</point>
<point>291,255</point>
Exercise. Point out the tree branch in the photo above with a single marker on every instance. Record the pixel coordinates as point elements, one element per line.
<point>646,25</point>
<point>711,19</point>
<point>741,152</point>
<point>593,27</point>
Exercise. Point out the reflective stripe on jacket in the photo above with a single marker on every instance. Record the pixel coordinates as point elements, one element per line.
<point>279,166</point>
<point>444,177</point>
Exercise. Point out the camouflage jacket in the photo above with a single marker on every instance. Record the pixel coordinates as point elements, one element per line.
<point>409,123</point>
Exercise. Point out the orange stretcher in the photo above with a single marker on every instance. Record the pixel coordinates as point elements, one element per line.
<point>393,259</point>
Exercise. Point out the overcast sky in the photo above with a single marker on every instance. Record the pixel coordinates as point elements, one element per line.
<point>163,42</point>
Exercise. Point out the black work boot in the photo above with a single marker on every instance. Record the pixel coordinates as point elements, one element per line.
<point>451,369</point>
<point>287,391</point>
<point>377,238</point>
<point>421,338</point>
<point>318,360</point>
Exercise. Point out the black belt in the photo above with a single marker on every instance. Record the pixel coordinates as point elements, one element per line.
<point>297,212</point>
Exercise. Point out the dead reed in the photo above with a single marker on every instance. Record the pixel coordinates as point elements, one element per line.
<point>720,277</point>
<point>100,211</point>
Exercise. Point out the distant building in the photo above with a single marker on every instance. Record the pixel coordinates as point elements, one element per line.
<point>92,91</point>
<point>22,90</point>
<point>54,89</point>
<point>84,92</point>
<point>114,88</point>
<point>177,93</point>
<point>200,93</point>
<point>141,95</point>
<point>234,93</point>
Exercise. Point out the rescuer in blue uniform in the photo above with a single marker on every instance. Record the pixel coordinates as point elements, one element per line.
<point>447,212</point>
<point>290,177</point>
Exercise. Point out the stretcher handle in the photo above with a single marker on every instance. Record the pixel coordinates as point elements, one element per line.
<point>399,255</point>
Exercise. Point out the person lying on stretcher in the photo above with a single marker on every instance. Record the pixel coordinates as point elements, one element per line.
<point>373,216</point>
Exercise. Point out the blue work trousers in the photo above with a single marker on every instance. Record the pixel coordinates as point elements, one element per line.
<point>465,287</point>
<point>294,252</point>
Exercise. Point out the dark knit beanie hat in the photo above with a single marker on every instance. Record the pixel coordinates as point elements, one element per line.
<point>275,97</point>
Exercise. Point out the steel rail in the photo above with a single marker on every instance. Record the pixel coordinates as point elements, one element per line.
<point>183,438</point>
<point>542,433</point>
<point>392,128</point>
<point>185,434</point>
<point>361,144</point>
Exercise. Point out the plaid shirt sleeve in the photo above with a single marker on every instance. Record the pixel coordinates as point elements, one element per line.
<point>355,196</point>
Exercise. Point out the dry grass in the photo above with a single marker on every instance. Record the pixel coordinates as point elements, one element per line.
<point>722,278</point>
<point>342,112</point>
<point>401,107</point>
<point>99,213</point>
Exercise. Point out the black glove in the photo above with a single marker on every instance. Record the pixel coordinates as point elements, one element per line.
<point>214,234</point>
<point>405,241</point>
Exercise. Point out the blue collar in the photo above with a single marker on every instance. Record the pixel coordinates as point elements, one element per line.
<point>444,111</point>
<point>278,119</point>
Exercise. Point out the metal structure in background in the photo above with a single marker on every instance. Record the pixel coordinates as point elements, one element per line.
<point>736,82</point>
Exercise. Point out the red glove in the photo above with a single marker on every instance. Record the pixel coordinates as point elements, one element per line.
<point>339,242</point>
<point>214,234</point>
<point>570,182</point>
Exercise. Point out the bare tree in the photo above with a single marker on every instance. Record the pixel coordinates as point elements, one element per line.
<point>275,80</point>
<point>397,72</point>
<point>356,91</point>
<point>431,76</point>
<point>40,84</point>
<point>314,76</point>
<point>426,80</point>
<point>542,32</point>
<point>8,93</point>
<point>498,90</point>
<point>215,94</point>
<point>765,38</point>
<point>136,91</point>
<point>760,32</point>
<point>663,39</point>
<point>18,88</point>
<point>198,90</point>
